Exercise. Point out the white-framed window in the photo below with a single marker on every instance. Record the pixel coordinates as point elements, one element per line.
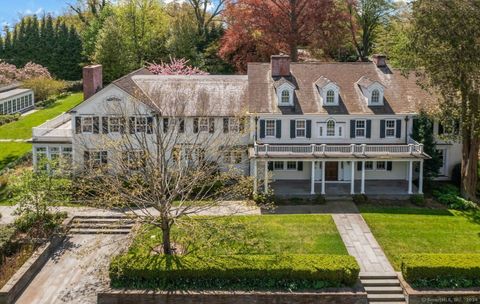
<point>114,124</point>
<point>87,124</point>
<point>278,165</point>
<point>381,165</point>
<point>292,165</point>
<point>368,165</point>
<point>270,127</point>
<point>234,124</point>
<point>140,124</point>
<point>203,124</point>
<point>67,153</point>
<point>96,159</point>
<point>300,128</point>
<point>135,159</point>
<point>330,97</point>
<point>360,128</point>
<point>285,97</point>
<point>442,154</point>
<point>233,157</point>
<point>390,128</point>
<point>375,96</point>
<point>330,128</point>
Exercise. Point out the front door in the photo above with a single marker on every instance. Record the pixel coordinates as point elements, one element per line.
<point>331,171</point>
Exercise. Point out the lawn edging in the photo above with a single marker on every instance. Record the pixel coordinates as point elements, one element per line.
<point>354,295</point>
<point>20,280</point>
<point>421,296</point>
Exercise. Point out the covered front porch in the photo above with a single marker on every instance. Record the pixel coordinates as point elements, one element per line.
<point>374,188</point>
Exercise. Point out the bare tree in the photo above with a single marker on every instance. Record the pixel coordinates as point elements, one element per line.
<point>163,163</point>
<point>88,8</point>
<point>205,13</point>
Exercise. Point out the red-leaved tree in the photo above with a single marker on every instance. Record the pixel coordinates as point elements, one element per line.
<point>260,28</point>
<point>175,67</point>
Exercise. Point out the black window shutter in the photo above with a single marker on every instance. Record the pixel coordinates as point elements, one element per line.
<point>122,125</point>
<point>352,128</point>
<point>86,156</point>
<point>262,128</point>
<point>359,166</point>
<point>211,125</point>
<point>181,125</point>
<point>131,124</point>
<point>399,128</point>
<point>104,156</point>
<point>270,166</point>
<point>165,125</point>
<point>369,128</point>
<point>96,124</point>
<point>78,125</point>
<point>149,125</point>
<point>309,129</point>
<point>292,128</point>
<point>225,125</point>
<point>300,166</point>
<point>278,132</point>
<point>389,166</point>
<point>105,125</point>
<point>440,129</point>
<point>382,128</point>
<point>195,125</point>
<point>242,124</point>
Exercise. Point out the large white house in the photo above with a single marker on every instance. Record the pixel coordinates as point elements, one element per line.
<point>312,128</point>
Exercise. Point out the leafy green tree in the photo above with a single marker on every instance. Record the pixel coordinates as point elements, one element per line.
<point>7,44</point>
<point>444,45</point>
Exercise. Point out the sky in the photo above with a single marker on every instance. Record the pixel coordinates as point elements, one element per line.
<point>11,10</point>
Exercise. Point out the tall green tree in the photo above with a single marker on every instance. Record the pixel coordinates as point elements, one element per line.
<point>445,43</point>
<point>7,44</point>
<point>365,18</point>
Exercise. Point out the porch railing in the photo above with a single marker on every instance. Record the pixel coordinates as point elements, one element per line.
<point>410,148</point>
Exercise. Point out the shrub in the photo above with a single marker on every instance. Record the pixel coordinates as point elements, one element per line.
<point>236,272</point>
<point>45,87</point>
<point>441,270</point>
<point>360,199</point>
<point>418,200</point>
<point>4,119</point>
<point>449,195</point>
<point>262,198</point>
<point>319,199</point>
<point>7,246</point>
<point>40,222</point>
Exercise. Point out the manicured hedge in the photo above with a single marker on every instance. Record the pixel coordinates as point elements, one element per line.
<point>442,270</point>
<point>239,272</point>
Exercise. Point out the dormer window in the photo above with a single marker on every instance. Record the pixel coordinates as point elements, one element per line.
<point>330,97</point>
<point>285,99</point>
<point>375,97</point>
<point>328,90</point>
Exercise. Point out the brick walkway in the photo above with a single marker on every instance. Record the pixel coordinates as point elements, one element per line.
<point>361,244</point>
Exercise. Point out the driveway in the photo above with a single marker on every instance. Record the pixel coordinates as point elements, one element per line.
<point>76,272</point>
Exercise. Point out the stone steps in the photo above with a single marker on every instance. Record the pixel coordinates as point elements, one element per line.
<point>103,224</point>
<point>382,288</point>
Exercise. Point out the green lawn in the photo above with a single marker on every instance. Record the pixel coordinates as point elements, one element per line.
<point>413,230</point>
<point>10,151</point>
<point>266,234</point>
<point>22,129</point>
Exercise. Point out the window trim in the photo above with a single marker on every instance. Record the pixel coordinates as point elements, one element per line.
<point>364,128</point>
<point>304,128</point>
<point>387,128</point>
<point>203,124</point>
<point>280,168</point>
<point>273,135</point>
<point>375,98</point>
<point>372,166</point>
<point>295,168</point>
<point>84,124</point>
<point>332,96</point>
<point>384,166</point>
<point>118,124</point>
<point>285,94</point>
<point>334,128</point>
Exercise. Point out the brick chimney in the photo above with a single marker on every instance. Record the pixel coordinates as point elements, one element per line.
<point>280,65</point>
<point>379,60</point>
<point>92,80</point>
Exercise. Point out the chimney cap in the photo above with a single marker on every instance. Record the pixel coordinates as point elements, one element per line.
<point>279,56</point>
<point>380,60</point>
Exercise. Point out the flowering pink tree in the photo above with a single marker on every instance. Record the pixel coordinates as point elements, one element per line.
<point>9,73</point>
<point>175,67</point>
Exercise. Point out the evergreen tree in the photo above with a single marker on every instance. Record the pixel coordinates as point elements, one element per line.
<point>74,55</point>
<point>47,42</point>
<point>7,53</point>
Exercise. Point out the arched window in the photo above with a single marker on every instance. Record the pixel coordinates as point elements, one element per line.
<point>285,96</point>
<point>375,96</point>
<point>330,97</point>
<point>330,128</point>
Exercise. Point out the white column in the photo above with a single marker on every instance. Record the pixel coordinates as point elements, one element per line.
<point>420,178</point>
<point>255,176</point>
<point>265,178</point>
<point>312,182</point>
<point>352,178</point>
<point>362,190</point>
<point>410,174</point>
<point>323,177</point>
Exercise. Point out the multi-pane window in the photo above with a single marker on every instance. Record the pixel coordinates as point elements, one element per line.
<point>96,159</point>
<point>300,128</point>
<point>390,128</point>
<point>368,165</point>
<point>233,157</point>
<point>270,127</point>
<point>87,124</point>
<point>291,165</point>
<point>330,97</point>
<point>203,124</point>
<point>360,128</point>
<point>375,96</point>
<point>67,153</point>
<point>285,96</point>
<point>114,124</point>
<point>278,165</point>
<point>330,128</point>
<point>135,159</point>
<point>381,165</point>
<point>140,124</point>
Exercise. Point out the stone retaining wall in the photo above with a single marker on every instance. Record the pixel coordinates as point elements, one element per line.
<point>425,296</point>
<point>150,297</point>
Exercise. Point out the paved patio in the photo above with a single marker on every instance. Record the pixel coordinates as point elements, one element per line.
<point>361,244</point>
<point>390,188</point>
